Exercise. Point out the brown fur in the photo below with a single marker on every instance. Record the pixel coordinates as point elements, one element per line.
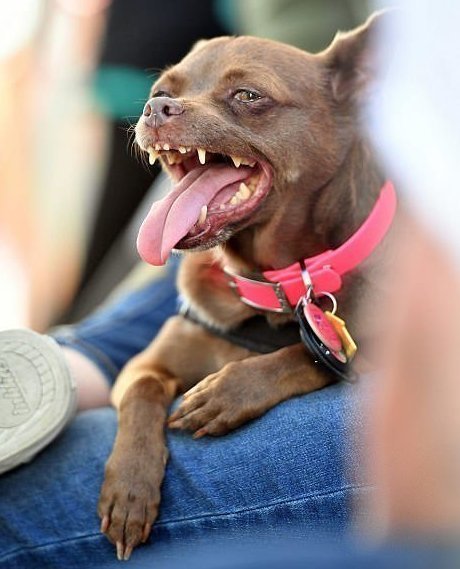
<point>326,181</point>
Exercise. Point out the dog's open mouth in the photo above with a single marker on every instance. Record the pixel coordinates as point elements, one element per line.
<point>213,196</point>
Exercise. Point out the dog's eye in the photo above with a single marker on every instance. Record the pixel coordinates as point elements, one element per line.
<point>161,94</point>
<point>246,96</point>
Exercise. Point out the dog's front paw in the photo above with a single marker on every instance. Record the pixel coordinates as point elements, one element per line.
<point>129,501</point>
<point>221,402</point>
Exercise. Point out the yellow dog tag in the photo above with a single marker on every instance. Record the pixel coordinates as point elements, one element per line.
<point>348,343</point>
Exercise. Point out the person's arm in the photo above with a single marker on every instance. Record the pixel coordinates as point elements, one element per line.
<point>98,347</point>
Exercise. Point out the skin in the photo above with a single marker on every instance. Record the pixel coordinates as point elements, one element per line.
<point>325,182</point>
<point>414,419</point>
<point>93,389</point>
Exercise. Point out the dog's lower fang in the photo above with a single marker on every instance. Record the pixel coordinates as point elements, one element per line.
<point>244,191</point>
<point>203,214</point>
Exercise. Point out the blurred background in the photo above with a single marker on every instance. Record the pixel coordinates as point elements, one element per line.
<point>74,75</point>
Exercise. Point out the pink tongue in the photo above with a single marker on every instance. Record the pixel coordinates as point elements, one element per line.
<point>171,218</point>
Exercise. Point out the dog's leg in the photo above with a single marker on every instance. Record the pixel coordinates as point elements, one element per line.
<point>130,495</point>
<point>245,389</point>
<point>181,354</point>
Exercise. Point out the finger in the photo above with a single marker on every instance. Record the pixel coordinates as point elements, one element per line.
<point>128,551</point>
<point>146,532</point>
<point>104,510</point>
<point>120,551</point>
<point>105,523</point>
<point>200,386</point>
<point>216,427</point>
<point>115,530</point>
<point>187,407</point>
<point>134,527</point>
<point>196,419</point>
<point>200,433</point>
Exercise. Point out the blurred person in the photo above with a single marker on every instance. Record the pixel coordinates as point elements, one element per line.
<point>46,49</point>
<point>15,36</point>
<point>141,37</point>
<point>307,24</point>
<point>74,136</point>
<point>415,122</point>
<point>416,445</point>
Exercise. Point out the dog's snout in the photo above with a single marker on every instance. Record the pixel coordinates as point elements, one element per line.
<point>158,110</point>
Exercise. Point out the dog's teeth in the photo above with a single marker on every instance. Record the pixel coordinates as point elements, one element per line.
<point>235,199</point>
<point>166,147</point>
<point>250,163</point>
<point>152,155</point>
<point>182,149</point>
<point>171,159</point>
<point>244,191</point>
<point>203,214</point>
<point>252,183</point>
<point>189,148</point>
<point>236,160</point>
<point>157,146</point>
<point>201,155</point>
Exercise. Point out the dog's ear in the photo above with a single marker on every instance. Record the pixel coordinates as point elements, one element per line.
<point>198,45</point>
<point>351,61</point>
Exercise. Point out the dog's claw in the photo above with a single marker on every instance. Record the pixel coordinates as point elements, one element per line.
<point>200,433</point>
<point>174,416</point>
<point>146,532</point>
<point>104,524</point>
<point>128,551</point>
<point>120,551</point>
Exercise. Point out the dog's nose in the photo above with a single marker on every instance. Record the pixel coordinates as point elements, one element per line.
<point>158,110</point>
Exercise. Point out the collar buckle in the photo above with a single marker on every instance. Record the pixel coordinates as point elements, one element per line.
<point>259,280</point>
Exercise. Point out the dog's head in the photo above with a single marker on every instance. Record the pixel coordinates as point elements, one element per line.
<point>246,126</point>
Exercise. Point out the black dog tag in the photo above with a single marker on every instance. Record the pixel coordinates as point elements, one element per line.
<point>321,340</point>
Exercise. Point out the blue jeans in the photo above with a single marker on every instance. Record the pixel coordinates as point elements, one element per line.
<point>293,468</point>
<point>120,329</point>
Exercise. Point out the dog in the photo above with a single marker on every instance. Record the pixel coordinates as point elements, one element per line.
<point>270,167</point>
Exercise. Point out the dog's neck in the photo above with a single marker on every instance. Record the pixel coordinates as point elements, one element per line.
<point>320,217</point>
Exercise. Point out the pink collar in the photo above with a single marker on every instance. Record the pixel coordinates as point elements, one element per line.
<point>281,289</point>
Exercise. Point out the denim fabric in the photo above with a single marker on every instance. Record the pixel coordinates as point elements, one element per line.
<point>123,328</point>
<point>287,469</point>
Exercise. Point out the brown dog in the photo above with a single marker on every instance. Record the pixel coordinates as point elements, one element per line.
<point>263,142</point>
